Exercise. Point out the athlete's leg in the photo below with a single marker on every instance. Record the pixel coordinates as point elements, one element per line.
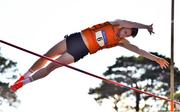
<point>55,51</point>
<point>65,58</point>
<point>70,50</point>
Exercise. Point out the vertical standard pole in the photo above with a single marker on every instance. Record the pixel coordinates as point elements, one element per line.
<point>172,58</point>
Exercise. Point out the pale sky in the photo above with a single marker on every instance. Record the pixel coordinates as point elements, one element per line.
<point>39,24</point>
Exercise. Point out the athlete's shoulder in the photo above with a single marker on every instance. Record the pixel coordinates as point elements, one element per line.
<point>115,22</point>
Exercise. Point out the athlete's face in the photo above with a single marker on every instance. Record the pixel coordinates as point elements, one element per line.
<point>124,32</point>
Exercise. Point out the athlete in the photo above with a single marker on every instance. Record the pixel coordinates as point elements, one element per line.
<point>77,45</point>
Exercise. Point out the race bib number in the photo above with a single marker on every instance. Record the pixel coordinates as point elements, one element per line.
<point>101,38</point>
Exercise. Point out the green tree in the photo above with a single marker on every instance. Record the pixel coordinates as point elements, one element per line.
<point>177,98</point>
<point>7,67</point>
<point>140,73</point>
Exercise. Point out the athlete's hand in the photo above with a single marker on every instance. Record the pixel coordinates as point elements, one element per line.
<point>150,29</point>
<point>162,62</point>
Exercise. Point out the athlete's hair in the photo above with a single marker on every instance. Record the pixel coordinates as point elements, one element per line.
<point>134,32</point>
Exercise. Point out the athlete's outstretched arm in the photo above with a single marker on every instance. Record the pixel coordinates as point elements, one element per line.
<point>130,24</point>
<point>162,62</point>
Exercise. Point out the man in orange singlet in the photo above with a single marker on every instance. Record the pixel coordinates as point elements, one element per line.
<point>90,40</point>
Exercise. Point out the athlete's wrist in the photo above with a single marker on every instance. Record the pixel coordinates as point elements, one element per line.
<point>157,59</point>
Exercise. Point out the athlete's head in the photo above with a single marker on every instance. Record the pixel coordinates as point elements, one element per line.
<point>126,32</point>
<point>134,32</point>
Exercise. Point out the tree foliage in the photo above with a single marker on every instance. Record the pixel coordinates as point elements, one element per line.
<point>7,67</point>
<point>140,73</point>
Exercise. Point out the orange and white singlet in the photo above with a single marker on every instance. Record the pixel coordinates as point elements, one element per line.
<point>100,36</point>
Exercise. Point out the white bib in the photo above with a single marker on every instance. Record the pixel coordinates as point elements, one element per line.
<point>101,38</point>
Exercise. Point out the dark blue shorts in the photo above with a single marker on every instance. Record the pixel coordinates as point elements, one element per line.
<point>76,46</point>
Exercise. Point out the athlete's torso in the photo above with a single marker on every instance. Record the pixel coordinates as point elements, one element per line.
<point>100,36</point>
